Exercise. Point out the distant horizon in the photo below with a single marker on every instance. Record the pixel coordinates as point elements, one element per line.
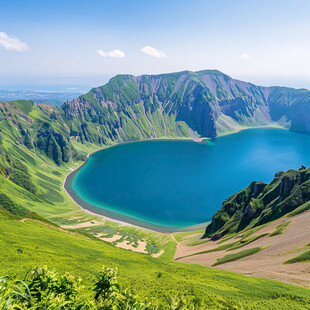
<point>85,83</point>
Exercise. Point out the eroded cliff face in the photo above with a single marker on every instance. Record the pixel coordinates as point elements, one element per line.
<point>209,102</point>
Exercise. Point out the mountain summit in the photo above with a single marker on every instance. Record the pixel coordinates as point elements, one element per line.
<point>209,102</point>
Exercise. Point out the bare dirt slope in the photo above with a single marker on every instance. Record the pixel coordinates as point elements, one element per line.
<point>267,263</point>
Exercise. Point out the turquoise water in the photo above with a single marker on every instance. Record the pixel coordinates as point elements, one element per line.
<point>169,184</point>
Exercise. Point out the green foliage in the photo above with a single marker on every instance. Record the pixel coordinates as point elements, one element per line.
<point>44,286</point>
<point>303,208</point>
<point>17,164</point>
<point>55,172</point>
<point>26,106</point>
<point>50,147</point>
<point>49,179</point>
<point>219,248</point>
<point>44,289</point>
<point>23,155</point>
<point>152,248</point>
<point>51,192</point>
<point>230,246</point>
<point>7,204</point>
<point>244,242</point>
<point>106,284</point>
<point>23,179</point>
<point>28,142</point>
<point>37,217</point>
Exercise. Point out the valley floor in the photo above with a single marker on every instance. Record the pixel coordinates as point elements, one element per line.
<point>268,262</point>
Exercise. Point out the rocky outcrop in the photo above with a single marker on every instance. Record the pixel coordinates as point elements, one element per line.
<point>260,203</point>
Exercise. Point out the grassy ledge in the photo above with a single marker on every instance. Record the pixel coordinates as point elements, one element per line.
<point>303,208</point>
<point>280,229</point>
<point>235,256</point>
<point>301,258</point>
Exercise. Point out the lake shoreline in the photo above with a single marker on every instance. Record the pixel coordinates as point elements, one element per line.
<point>127,220</point>
<point>115,216</point>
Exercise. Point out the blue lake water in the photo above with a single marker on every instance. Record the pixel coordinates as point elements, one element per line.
<point>170,184</point>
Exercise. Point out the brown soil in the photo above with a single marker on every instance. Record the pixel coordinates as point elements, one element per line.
<point>269,262</point>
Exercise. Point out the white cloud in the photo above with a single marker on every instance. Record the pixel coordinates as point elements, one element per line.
<point>245,56</point>
<point>111,54</point>
<point>12,44</point>
<point>151,51</point>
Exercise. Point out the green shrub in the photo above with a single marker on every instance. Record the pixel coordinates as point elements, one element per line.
<point>7,204</point>
<point>44,289</point>
<point>23,180</point>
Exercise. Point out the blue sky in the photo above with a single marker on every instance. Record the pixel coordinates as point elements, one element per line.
<point>266,42</point>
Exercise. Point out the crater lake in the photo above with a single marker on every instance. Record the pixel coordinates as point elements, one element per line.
<point>171,185</point>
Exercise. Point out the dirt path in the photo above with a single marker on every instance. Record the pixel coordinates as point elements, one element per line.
<point>269,262</point>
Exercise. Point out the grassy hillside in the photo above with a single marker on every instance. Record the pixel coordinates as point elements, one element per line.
<point>30,243</point>
<point>260,203</point>
<point>36,153</point>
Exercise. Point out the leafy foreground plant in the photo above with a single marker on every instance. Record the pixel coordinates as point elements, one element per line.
<point>44,289</point>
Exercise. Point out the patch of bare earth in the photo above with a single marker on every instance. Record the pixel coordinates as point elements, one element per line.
<point>267,263</point>
<point>158,254</point>
<point>141,248</point>
<point>125,245</point>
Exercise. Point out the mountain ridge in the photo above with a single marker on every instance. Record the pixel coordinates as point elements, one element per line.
<point>129,108</point>
<point>213,94</point>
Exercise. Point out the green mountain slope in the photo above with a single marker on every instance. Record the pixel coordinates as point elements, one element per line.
<point>29,243</point>
<point>260,203</point>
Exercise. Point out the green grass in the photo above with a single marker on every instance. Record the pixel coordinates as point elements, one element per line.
<point>244,242</point>
<point>219,248</point>
<point>235,256</point>
<point>25,105</point>
<point>280,229</point>
<point>303,208</point>
<point>301,258</point>
<point>248,232</point>
<point>182,235</point>
<point>30,244</point>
